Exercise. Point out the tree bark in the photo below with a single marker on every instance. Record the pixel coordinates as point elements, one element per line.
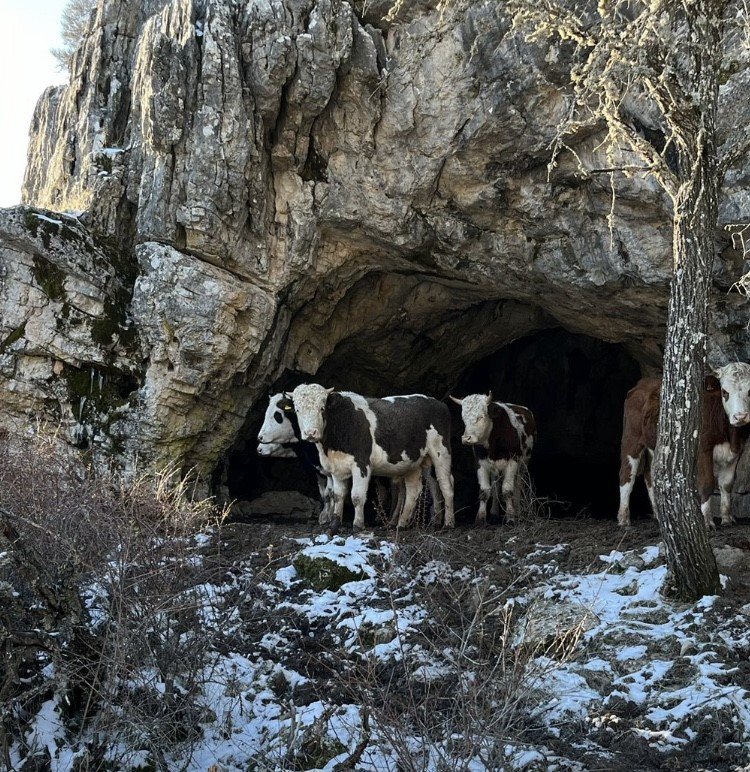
<point>690,559</point>
<point>689,556</point>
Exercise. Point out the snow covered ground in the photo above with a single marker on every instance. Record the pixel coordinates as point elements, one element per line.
<point>355,652</point>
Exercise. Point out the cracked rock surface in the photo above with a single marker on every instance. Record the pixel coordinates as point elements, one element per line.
<point>303,186</point>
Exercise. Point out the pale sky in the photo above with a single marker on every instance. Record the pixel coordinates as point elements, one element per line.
<point>30,29</point>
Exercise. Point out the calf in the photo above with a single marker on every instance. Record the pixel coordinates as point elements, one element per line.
<point>503,437</point>
<point>358,437</point>
<point>724,429</point>
<point>280,436</point>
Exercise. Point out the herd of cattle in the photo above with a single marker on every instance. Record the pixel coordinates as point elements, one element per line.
<point>345,439</point>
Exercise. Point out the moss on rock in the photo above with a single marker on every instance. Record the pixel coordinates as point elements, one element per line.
<point>49,277</point>
<point>325,574</point>
<point>13,337</point>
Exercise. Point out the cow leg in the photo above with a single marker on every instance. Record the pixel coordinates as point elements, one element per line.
<point>413,485</point>
<point>325,487</point>
<point>628,472</point>
<point>706,485</point>
<point>648,477</point>
<point>360,484</point>
<point>484,478</point>
<point>340,489</point>
<point>398,492</point>
<point>509,487</point>
<point>726,478</point>
<point>442,463</point>
<point>438,505</point>
<point>495,495</point>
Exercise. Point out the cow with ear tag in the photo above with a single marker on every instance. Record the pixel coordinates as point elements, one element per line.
<point>359,437</point>
<point>279,436</point>
<point>724,430</point>
<point>502,436</point>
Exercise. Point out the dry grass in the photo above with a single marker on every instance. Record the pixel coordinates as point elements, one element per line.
<point>465,681</point>
<point>98,583</point>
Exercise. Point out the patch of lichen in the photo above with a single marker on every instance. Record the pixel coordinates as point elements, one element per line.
<point>14,335</point>
<point>49,277</point>
<point>325,574</point>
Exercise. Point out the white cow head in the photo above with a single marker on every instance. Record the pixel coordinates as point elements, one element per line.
<point>275,450</point>
<point>476,417</point>
<point>734,379</point>
<point>309,404</point>
<point>277,424</point>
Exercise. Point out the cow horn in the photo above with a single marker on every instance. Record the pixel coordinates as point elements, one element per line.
<point>489,398</point>
<point>329,391</point>
<point>456,400</point>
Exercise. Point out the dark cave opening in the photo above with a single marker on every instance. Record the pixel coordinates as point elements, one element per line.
<point>574,384</point>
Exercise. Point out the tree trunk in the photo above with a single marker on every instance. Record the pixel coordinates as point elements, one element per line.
<point>689,556</point>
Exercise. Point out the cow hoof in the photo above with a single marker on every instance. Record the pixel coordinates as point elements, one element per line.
<point>728,521</point>
<point>333,528</point>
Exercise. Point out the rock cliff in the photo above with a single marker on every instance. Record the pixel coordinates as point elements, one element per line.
<point>265,189</point>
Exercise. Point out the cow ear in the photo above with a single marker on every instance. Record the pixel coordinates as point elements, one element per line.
<point>489,398</point>
<point>457,400</point>
<point>711,383</point>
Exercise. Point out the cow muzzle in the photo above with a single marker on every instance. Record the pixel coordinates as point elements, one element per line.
<point>467,439</point>
<point>311,435</point>
<point>740,419</point>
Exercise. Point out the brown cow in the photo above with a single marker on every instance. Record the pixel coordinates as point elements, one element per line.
<point>726,416</point>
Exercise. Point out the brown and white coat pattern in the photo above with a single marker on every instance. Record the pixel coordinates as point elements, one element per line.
<point>503,437</point>
<point>724,429</point>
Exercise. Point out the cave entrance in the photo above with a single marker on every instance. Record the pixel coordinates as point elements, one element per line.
<point>576,386</point>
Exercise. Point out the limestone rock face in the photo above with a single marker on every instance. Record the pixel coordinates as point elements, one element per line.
<point>307,187</point>
<point>67,344</point>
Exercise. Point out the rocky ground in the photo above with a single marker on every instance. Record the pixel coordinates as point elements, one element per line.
<point>544,646</point>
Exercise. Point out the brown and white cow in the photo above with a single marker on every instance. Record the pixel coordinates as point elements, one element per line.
<point>725,427</point>
<point>503,437</point>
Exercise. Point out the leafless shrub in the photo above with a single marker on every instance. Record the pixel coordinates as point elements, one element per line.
<point>102,607</point>
<point>464,683</point>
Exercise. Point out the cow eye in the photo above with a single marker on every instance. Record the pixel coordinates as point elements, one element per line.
<point>724,394</point>
<point>278,417</point>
